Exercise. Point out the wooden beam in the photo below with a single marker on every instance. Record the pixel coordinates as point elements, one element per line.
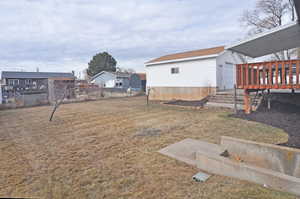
<point>242,75</point>
<point>252,76</point>
<point>283,73</point>
<point>247,101</point>
<point>277,73</point>
<point>297,71</point>
<point>290,73</point>
<point>270,74</point>
<point>257,75</point>
<point>247,74</point>
<point>264,75</point>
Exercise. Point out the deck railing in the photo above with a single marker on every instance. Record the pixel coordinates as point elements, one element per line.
<point>268,75</point>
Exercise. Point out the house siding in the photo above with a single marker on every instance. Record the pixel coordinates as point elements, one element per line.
<point>113,81</point>
<point>125,82</point>
<point>106,80</point>
<point>196,80</point>
<point>226,75</point>
<point>196,73</point>
<point>135,82</point>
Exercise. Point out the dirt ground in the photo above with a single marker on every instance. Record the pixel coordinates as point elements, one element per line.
<point>284,114</point>
<point>108,149</point>
<point>199,103</point>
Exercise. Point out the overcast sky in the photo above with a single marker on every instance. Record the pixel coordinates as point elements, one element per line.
<point>63,35</point>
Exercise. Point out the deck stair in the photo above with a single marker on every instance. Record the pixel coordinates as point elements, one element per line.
<point>225,99</point>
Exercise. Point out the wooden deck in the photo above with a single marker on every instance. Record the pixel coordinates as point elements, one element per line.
<point>268,75</point>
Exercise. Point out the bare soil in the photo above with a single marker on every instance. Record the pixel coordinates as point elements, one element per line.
<point>196,103</point>
<point>108,149</point>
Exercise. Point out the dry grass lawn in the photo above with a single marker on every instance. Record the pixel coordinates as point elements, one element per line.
<point>91,150</point>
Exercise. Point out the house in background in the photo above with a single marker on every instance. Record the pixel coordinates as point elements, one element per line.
<point>118,80</point>
<point>143,80</point>
<point>32,88</point>
<point>191,75</point>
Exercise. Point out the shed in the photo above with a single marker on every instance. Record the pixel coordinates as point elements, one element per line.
<point>191,75</point>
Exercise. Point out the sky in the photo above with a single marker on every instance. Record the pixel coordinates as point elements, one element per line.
<point>63,35</point>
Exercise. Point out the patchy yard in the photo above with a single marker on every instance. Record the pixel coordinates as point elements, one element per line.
<point>107,149</point>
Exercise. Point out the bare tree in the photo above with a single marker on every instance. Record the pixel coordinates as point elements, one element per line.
<point>267,15</point>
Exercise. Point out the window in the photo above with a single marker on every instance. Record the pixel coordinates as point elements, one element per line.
<point>119,84</point>
<point>13,82</point>
<point>174,70</point>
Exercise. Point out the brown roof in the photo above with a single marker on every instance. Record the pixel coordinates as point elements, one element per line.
<point>194,53</point>
<point>142,76</point>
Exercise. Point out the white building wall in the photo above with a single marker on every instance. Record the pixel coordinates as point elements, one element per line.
<point>196,73</point>
<point>106,80</point>
<point>226,70</point>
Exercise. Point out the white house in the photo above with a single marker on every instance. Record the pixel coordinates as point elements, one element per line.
<point>120,80</point>
<point>105,79</point>
<point>191,75</point>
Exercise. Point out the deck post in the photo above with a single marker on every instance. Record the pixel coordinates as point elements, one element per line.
<point>247,101</point>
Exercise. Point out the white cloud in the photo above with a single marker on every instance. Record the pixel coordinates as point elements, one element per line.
<point>57,35</point>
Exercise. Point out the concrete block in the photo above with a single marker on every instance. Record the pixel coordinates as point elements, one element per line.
<point>216,164</point>
<point>261,163</point>
<point>185,150</point>
<point>224,105</point>
<point>201,177</point>
<point>278,158</point>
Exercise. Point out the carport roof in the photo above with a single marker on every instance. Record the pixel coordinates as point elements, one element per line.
<point>275,40</point>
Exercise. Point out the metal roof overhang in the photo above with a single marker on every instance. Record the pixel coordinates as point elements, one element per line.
<point>276,40</point>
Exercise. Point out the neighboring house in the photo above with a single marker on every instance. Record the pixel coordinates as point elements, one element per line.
<point>191,75</point>
<point>143,80</point>
<point>32,88</point>
<point>118,80</point>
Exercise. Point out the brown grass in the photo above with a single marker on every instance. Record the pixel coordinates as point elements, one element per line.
<point>90,151</point>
